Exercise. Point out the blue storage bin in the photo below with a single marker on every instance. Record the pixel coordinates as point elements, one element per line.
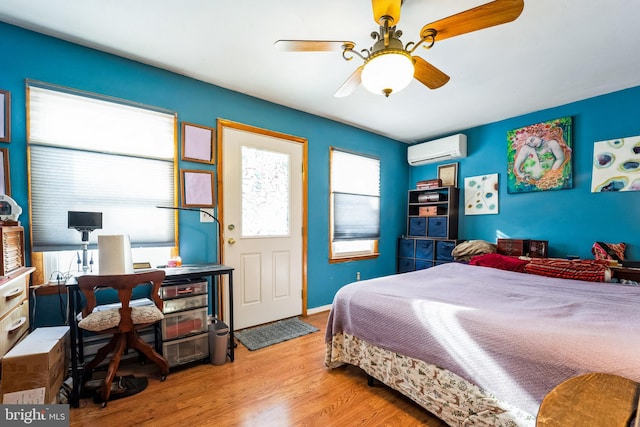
<point>437,227</point>
<point>406,264</point>
<point>424,249</point>
<point>421,264</point>
<point>417,227</point>
<point>406,248</point>
<point>444,249</point>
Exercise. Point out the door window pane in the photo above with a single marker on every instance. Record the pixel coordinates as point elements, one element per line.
<point>265,193</point>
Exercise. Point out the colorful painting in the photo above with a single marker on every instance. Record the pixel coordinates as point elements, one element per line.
<point>539,157</point>
<point>481,195</point>
<point>616,165</point>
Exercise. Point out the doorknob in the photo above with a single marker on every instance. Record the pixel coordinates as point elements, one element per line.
<point>231,241</point>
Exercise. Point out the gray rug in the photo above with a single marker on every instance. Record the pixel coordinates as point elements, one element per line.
<point>273,333</point>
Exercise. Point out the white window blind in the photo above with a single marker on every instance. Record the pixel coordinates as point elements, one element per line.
<point>94,154</point>
<point>355,191</point>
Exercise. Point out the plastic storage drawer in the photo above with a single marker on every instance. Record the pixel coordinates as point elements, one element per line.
<point>181,304</point>
<point>177,325</point>
<point>186,350</point>
<point>183,290</point>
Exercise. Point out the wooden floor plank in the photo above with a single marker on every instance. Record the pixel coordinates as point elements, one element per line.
<point>283,385</point>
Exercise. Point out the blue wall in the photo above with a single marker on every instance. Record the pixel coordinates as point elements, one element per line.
<point>29,55</point>
<point>572,219</point>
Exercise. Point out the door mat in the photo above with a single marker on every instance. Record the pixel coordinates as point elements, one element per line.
<point>273,333</point>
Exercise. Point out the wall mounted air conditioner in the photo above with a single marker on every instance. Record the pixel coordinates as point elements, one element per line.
<point>449,148</point>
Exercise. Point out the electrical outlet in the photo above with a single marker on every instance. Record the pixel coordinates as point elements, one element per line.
<point>204,217</point>
<point>358,275</point>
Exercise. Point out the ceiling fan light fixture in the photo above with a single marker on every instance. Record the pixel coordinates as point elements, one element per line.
<point>387,71</point>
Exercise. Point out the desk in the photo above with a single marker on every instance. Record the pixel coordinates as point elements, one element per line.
<point>178,273</point>
<point>590,400</point>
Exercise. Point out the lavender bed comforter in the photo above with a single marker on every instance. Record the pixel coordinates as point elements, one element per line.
<point>515,335</point>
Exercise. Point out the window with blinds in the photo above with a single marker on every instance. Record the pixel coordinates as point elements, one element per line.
<point>98,154</point>
<point>355,205</point>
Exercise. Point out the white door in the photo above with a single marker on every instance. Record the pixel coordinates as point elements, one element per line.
<point>262,211</point>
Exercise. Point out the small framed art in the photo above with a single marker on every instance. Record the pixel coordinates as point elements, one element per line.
<point>5,116</point>
<point>197,188</point>
<point>448,174</point>
<point>198,143</point>
<point>5,185</point>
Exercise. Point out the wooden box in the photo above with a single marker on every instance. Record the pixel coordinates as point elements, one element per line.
<point>538,248</point>
<point>526,247</point>
<point>513,247</point>
<point>12,249</point>
<point>431,211</point>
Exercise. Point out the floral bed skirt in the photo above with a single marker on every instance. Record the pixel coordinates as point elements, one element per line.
<point>446,395</point>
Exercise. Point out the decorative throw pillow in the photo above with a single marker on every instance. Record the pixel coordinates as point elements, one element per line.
<point>464,251</point>
<point>107,319</point>
<point>502,262</point>
<point>579,269</point>
<point>612,251</point>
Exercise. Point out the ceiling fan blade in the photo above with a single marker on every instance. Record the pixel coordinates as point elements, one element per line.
<point>351,84</point>
<point>487,15</point>
<point>389,8</point>
<point>427,74</point>
<point>310,45</point>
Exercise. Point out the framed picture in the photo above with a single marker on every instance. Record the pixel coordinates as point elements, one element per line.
<point>5,185</point>
<point>197,188</point>
<point>615,167</point>
<point>198,143</point>
<point>539,157</point>
<point>481,194</point>
<point>448,174</point>
<point>5,116</point>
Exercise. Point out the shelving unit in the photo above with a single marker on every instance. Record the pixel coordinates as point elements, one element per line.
<point>432,229</point>
<point>184,329</point>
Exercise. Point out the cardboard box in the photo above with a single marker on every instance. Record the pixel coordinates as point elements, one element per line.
<point>40,360</point>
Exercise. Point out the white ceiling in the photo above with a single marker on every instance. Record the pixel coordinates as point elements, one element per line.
<point>556,52</point>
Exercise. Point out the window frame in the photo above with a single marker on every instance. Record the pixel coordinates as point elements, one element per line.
<point>339,257</point>
<point>37,257</point>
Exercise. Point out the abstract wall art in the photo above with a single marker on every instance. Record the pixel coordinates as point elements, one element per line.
<point>539,157</point>
<point>616,165</point>
<point>481,195</point>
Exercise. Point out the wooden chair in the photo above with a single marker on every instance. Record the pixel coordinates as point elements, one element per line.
<point>123,322</point>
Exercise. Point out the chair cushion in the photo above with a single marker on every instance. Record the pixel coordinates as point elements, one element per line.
<point>107,319</point>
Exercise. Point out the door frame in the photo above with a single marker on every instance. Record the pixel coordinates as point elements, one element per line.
<point>224,123</point>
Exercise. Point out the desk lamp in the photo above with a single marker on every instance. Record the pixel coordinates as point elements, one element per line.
<point>218,260</point>
<point>85,223</point>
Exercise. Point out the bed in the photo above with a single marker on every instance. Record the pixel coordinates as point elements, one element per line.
<point>481,346</point>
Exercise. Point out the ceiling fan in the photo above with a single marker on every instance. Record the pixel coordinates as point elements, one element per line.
<point>389,66</point>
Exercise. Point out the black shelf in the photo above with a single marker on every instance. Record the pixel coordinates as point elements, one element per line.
<point>432,229</point>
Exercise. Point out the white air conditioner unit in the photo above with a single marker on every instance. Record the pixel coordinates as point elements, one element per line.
<point>451,147</point>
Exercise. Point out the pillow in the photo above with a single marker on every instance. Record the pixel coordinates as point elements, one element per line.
<point>502,262</point>
<point>465,250</point>
<point>107,319</point>
<point>578,269</point>
<point>612,251</point>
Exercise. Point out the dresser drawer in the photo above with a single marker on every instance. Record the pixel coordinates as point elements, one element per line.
<point>12,293</point>
<point>14,326</point>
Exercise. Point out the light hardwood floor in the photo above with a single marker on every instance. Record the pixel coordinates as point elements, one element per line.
<point>282,385</point>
